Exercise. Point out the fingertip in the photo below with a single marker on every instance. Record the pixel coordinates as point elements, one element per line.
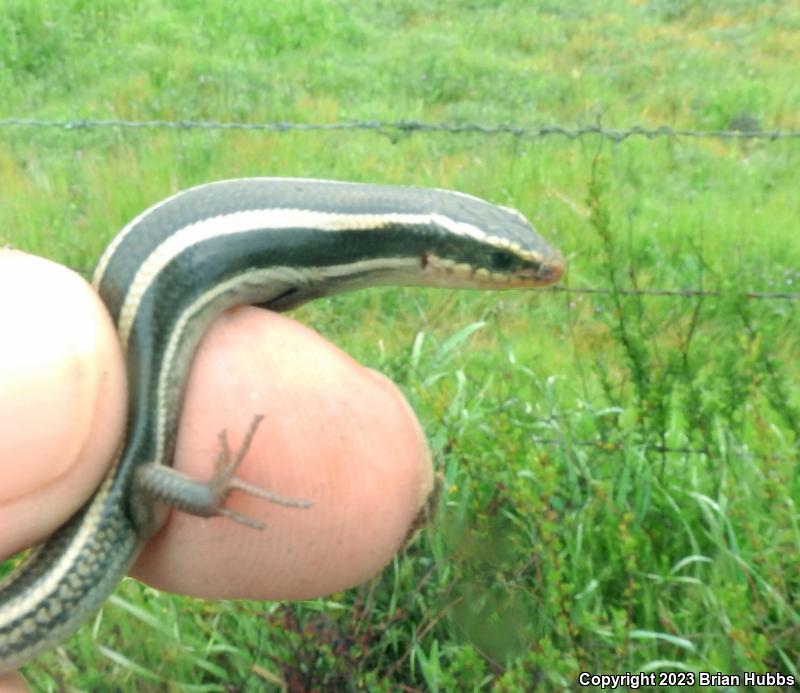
<point>334,433</point>
<point>12,683</point>
<point>421,462</point>
<point>61,395</point>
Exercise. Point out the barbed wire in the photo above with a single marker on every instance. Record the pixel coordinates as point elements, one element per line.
<point>747,129</point>
<point>680,293</point>
<point>742,129</point>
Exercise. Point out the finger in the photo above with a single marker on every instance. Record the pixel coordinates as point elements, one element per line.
<point>61,396</point>
<point>333,432</point>
<point>12,683</point>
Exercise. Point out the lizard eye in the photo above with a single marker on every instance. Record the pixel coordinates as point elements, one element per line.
<point>501,261</point>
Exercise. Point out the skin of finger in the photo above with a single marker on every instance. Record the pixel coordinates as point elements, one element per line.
<point>12,683</point>
<point>62,396</point>
<point>333,432</point>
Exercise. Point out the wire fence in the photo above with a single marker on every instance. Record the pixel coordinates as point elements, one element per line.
<point>742,128</point>
<point>679,293</point>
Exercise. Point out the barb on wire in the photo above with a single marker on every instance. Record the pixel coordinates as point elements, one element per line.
<point>393,128</point>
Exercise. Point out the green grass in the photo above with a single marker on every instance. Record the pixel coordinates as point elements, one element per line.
<point>569,539</point>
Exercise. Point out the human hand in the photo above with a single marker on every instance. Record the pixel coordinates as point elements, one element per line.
<point>334,433</point>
